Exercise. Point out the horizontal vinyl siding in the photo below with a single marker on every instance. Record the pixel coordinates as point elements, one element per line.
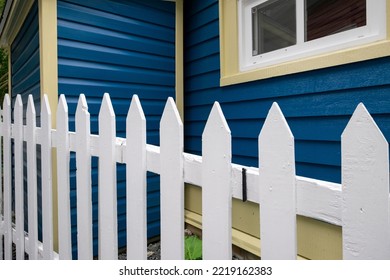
<point>25,80</point>
<point>25,70</point>
<point>317,104</point>
<point>123,48</point>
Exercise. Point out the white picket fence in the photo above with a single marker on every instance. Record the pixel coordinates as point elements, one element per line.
<point>360,204</point>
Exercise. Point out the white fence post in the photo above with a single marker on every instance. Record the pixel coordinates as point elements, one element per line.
<point>19,191</point>
<point>47,193</point>
<point>172,183</point>
<point>216,189</point>
<point>32,179</point>
<point>7,177</point>
<point>83,181</point>
<point>1,185</point>
<point>108,229</point>
<point>63,159</point>
<point>136,194</point>
<point>277,188</point>
<point>362,205</point>
<point>365,180</point>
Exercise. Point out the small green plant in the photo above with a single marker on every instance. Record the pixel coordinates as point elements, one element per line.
<point>193,248</point>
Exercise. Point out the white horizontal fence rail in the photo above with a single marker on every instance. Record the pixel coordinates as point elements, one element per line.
<point>361,204</point>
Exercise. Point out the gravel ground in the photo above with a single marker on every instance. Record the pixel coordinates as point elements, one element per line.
<point>154,252</point>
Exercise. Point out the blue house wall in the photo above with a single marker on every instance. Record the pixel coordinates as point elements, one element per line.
<point>25,80</point>
<point>123,48</point>
<point>317,104</point>
<point>25,68</point>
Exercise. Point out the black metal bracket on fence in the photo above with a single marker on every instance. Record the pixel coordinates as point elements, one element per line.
<point>244,188</point>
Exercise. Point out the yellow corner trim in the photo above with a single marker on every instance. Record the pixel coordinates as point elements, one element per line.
<point>239,238</point>
<point>16,18</point>
<point>230,73</point>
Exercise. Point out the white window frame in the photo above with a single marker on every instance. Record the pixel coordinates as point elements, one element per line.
<point>374,30</point>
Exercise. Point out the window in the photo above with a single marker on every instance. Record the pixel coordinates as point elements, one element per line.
<point>276,31</point>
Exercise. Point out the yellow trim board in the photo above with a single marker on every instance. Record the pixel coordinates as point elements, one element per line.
<point>315,239</point>
<point>179,57</point>
<point>240,239</point>
<point>48,53</point>
<point>230,73</point>
<point>47,10</point>
<point>16,18</point>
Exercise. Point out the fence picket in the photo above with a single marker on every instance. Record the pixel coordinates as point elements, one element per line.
<point>277,188</point>
<point>172,183</point>
<point>361,204</point>
<point>19,192</point>
<point>216,190</point>
<point>108,229</point>
<point>84,189</point>
<point>32,179</point>
<point>365,180</point>
<point>7,178</point>
<point>63,158</point>
<point>136,182</point>
<point>47,192</point>
<point>1,185</point>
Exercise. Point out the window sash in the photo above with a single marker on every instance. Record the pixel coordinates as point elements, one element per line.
<point>374,30</point>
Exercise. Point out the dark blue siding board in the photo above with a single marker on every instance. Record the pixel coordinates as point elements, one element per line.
<point>205,49</point>
<point>90,52</point>
<point>107,21</point>
<point>25,80</point>
<point>123,48</point>
<point>25,71</point>
<point>202,17</point>
<point>146,11</point>
<point>317,104</point>
<point>200,6</point>
<point>115,39</point>
<point>114,73</point>
<point>203,65</point>
<point>204,33</point>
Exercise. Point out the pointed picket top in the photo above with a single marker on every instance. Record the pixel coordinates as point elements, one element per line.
<point>83,180</point>
<point>216,187</point>
<point>106,109</point>
<point>171,114</point>
<point>277,188</point>
<point>136,195</point>
<point>276,123</point>
<point>135,110</point>
<point>63,184</point>
<point>32,179</point>
<point>18,105</point>
<point>19,193</point>
<point>46,111</point>
<point>6,109</point>
<point>361,122</point>
<point>7,176</point>
<point>6,101</point>
<point>46,174</point>
<point>107,193</point>
<point>172,183</point>
<point>82,106</point>
<point>62,109</point>
<point>217,121</point>
<point>365,181</point>
<point>30,113</point>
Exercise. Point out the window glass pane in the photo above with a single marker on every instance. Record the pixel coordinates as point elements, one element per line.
<point>327,17</point>
<point>273,26</point>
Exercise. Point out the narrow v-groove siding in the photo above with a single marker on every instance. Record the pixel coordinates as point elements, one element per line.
<point>123,48</point>
<point>25,70</point>
<point>25,80</point>
<point>317,104</point>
